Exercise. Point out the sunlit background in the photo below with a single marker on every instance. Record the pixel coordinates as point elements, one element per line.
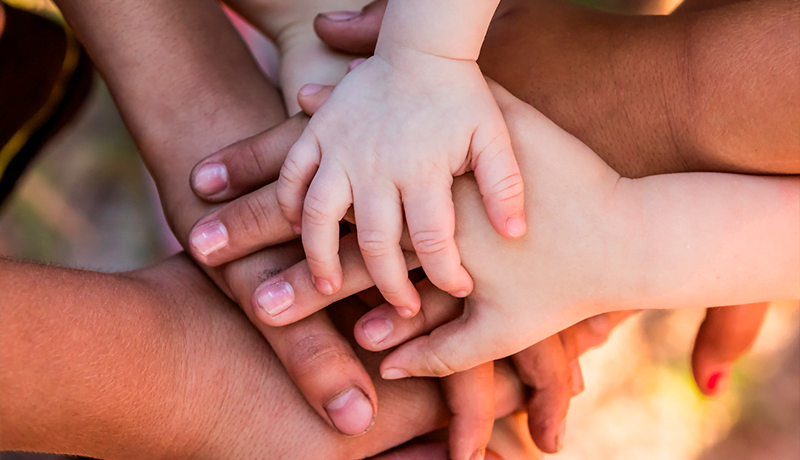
<point>88,202</point>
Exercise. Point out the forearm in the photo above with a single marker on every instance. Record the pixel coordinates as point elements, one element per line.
<point>713,90</point>
<point>173,67</point>
<point>452,29</point>
<point>81,353</point>
<point>716,239</point>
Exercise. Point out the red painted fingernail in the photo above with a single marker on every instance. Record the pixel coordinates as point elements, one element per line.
<point>718,380</point>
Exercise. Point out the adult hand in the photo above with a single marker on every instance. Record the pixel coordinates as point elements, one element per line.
<point>187,376</point>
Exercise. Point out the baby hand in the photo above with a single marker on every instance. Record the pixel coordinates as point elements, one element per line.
<point>391,138</point>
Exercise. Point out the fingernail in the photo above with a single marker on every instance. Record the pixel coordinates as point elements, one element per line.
<point>323,286</point>
<point>460,294</point>
<point>394,374</point>
<point>377,329</point>
<point>297,229</point>
<point>577,377</point>
<point>405,312</point>
<point>209,237</point>
<point>562,430</point>
<point>341,16</point>
<point>718,381</point>
<point>515,225</point>
<point>355,63</point>
<point>276,298</point>
<point>211,178</point>
<point>479,454</point>
<point>309,89</point>
<point>351,412</point>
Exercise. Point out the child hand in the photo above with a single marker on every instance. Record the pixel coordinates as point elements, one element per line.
<point>390,138</point>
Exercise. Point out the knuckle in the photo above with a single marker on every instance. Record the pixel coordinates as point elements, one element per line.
<point>437,366</point>
<point>315,211</point>
<point>252,220</point>
<point>315,352</point>
<point>431,242</point>
<point>374,243</point>
<point>509,188</point>
<point>291,172</point>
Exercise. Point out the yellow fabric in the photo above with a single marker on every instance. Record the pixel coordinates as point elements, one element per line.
<point>18,140</point>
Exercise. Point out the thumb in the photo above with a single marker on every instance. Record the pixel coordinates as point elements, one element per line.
<point>352,32</point>
<point>724,336</point>
<point>312,96</point>
<point>461,344</point>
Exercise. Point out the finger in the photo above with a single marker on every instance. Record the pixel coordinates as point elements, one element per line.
<point>430,214</point>
<point>312,96</point>
<point>291,295</point>
<point>428,451</point>
<point>470,397</point>
<point>724,336</point>
<point>327,200</point>
<point>239,228</point>
<point>246,165</point>
<point>499,179</point>
<point>354,32</point>
<point>379,224</point>
<point>594,331</point>
<point>319,360</point>
<point>296,174</point>
<point>453,347</point>
<point>383,328</point>
<point>545,368</point>
<point>570,344</point>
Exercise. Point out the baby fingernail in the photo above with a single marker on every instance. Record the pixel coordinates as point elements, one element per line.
<point>323,286</point>
<point>351,412</point>
<point>405,312</point>
<point>209,237</point>
<point>309,89</point>
<point>341,16</point>
<point>394,374</point>
<point>515,226</point>
<point>377,329</point>
<point>562,431</point>
<point>276,298</point>
<point>211,178</point>
<point>719,380</point>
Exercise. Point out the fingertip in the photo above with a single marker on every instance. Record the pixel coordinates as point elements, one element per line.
<point>516,226</point>
<point>209,179</point>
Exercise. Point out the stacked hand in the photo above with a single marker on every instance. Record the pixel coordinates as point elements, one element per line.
<point>549,366</point>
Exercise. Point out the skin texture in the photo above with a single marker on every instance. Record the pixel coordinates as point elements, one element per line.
<point>174,139</point>
<point>133,382</point>
<point>617,143</point>
<point>389,140</point>
<point>197,95</point>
